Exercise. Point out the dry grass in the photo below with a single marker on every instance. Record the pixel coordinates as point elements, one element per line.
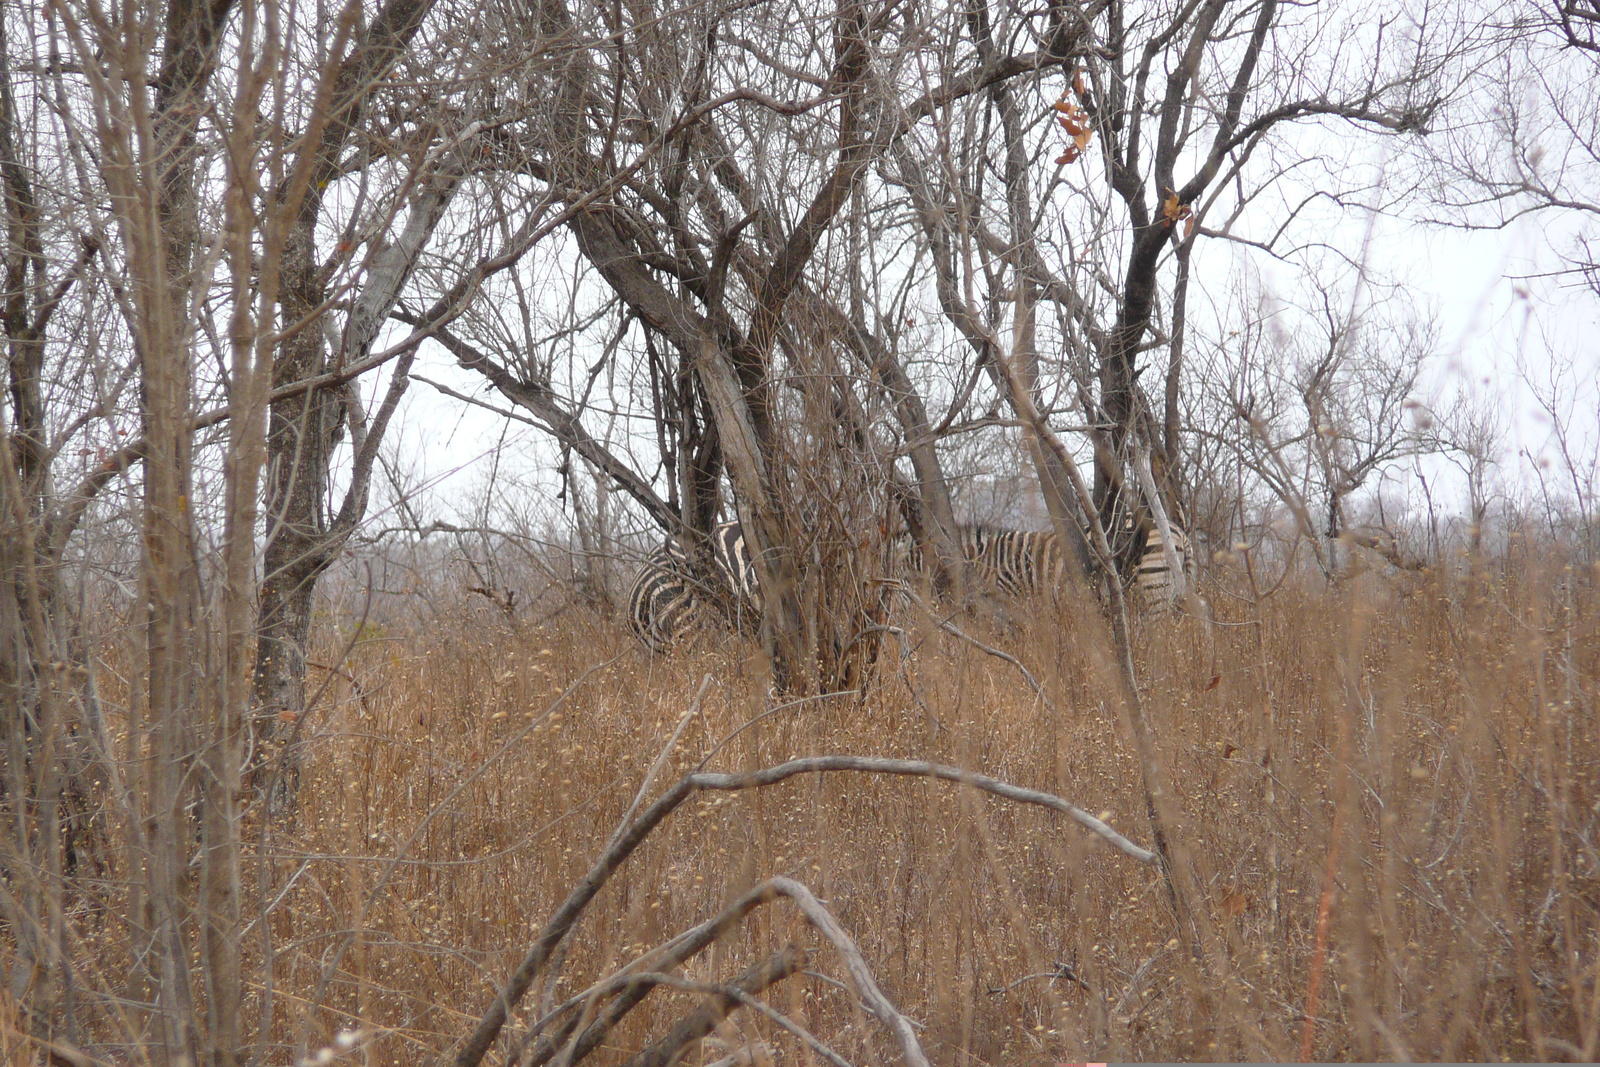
<point>1415,755</point>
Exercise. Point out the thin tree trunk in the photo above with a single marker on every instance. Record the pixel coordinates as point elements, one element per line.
<point>302,432</point>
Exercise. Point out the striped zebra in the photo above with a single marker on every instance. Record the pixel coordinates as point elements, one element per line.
<point>1018,562</point>
<point>667,599</point>
<point>1159,590</point>
<point>1023,563</point>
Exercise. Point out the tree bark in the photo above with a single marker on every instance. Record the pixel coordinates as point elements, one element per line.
<point>302,433</point>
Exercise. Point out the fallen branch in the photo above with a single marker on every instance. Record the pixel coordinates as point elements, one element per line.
<point>920,769</point>
<point>630,836</point>
<point>824,921</point>
<point>719,1005</point>
<point>636,982</point>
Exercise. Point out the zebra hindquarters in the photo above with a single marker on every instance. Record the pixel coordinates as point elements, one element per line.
<point>1159,589</point>
<point>662,606</point>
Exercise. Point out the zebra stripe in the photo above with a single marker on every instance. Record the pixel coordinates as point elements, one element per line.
<point>661,603</point>
<point>668,600</point>
<point>1026,562</point>
<point>1019,562</point>
<point>1154,581</point>
<point>731,554</point>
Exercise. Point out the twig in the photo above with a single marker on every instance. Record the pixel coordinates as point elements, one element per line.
<point>1319,956</point>
<point>769,1012</point>
<point>632,990</point>
<point>1063,970</point>
<point>661,759</point>
<point>743,1057</point>
<point>635,983</point>
<point>1134,983</point>
<point>955,631</point>
<point>879,1005</point>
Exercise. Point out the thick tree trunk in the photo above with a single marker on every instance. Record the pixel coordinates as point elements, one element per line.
<point>300,440</point>
<point>760,513</point>
<point>297,552</point>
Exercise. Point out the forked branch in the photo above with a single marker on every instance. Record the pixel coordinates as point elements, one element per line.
<point>632,835</point>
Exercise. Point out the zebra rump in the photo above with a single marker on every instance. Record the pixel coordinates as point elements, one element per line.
<point>1158,588</point>
<point>668,599</point>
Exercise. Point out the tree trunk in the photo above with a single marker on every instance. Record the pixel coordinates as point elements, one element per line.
<point>300,440</point>
<point>303,429</point>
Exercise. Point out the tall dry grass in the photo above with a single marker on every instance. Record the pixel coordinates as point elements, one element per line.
<point>1388,791</point>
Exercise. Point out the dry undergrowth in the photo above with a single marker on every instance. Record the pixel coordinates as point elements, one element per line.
<point>1411,757</point>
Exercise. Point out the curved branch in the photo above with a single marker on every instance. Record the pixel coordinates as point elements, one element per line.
<point>632,836</point>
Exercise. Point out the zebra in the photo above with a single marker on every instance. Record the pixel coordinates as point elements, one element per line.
<point>668,599</point>
<point>1017,562</point>
<point>1022,563</point>
<point>1159,591</point>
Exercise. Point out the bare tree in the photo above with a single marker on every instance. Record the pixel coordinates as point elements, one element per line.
<point>1176,119</point>
<point>1527,140</point>
<point>166,172</point>
<point>115,131</point>
<point>717,220</point>
<point>421,148</point>
<point>1470,432</point>
<point>1316,422</point>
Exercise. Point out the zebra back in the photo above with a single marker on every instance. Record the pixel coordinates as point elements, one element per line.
<point>1023,563</point>
<point>1018,562</point>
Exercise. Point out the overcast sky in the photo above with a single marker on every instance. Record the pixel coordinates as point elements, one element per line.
<point>1497,310</point>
